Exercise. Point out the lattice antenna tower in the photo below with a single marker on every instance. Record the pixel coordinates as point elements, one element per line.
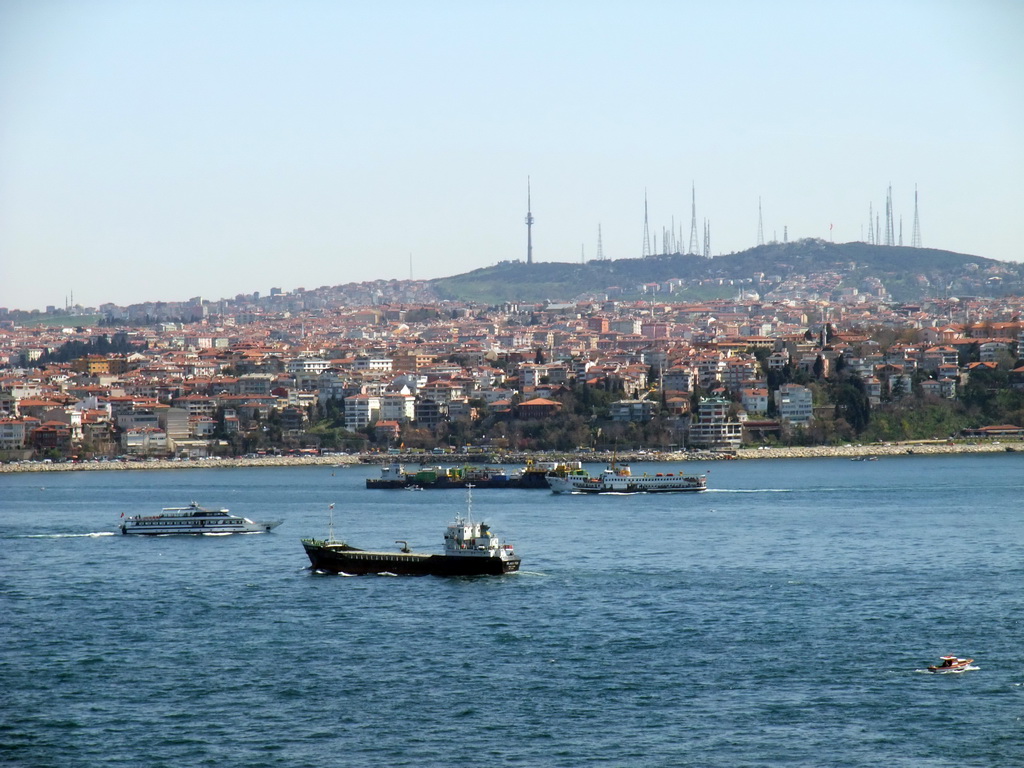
<point>694,247</point>
<point>871,225</point>
<point>901,230</point>
<point>707,239</point>
<point>760,223</point>
<point>529,224</point>
<point>647,232</point>
<point>915,237</point>
<point>600,248</point>
<point>890,238</point>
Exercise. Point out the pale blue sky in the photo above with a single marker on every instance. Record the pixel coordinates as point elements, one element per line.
<point>161,150</point>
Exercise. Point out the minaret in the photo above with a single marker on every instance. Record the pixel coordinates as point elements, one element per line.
<point>529,225</point>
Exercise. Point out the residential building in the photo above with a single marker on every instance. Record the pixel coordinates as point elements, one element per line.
<point>795,404</point>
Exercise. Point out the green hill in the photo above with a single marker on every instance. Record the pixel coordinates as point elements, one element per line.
<point>908,274</point>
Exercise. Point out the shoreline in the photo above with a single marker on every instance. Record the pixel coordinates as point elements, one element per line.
<point>909,448</point>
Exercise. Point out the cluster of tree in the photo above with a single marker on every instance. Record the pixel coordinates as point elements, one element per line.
<point>116,344</point>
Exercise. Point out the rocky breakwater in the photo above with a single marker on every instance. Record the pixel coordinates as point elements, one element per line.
<point>925,448</point>
<point>213,462</point>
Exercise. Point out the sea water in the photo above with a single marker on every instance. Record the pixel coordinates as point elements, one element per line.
<point>784,617</point>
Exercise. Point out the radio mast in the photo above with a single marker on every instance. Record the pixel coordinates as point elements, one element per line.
<point>647,233</point>
<point>693,222</point>
<point>760,223</point>
<point>915,238</point>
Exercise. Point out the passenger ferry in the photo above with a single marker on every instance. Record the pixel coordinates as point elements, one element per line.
<point>618,478</point>
<point>193,519</point>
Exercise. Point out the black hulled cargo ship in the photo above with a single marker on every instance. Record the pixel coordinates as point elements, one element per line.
<point>470,549</point>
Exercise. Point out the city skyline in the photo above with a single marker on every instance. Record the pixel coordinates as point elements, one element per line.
<point>167,150</point>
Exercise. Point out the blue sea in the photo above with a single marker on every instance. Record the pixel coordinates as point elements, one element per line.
<point>783,618</point>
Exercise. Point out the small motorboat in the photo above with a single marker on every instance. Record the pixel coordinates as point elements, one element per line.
<point>952,664</point>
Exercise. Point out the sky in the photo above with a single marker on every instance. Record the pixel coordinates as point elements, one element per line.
<point>168,149</point>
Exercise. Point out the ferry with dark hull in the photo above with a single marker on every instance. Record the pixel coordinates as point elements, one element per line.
<point>618,478</point>
<point>194,520</point>
<point>470,549</point>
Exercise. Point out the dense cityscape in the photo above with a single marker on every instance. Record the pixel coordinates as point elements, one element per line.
<point>386,367</point>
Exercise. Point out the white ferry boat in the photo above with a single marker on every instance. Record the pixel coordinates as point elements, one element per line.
<point>619,479</point>
<point>193,519</point>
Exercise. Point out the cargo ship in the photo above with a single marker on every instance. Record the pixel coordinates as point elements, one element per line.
<point>533,475</point>
<point>470,549</point>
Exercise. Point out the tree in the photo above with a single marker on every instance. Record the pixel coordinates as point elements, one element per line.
<point>852,404</point>
<point>819,366</point>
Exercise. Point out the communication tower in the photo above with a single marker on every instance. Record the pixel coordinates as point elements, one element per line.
<point>647,232</point>
<point>889,234</point>
<point>600,248</point>
<point>693,222</point>
<point>915,237</point>
<point>760,223</point>
<point>529,225</point>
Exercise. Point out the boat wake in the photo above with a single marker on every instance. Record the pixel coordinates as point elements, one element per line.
<point>749,490</point>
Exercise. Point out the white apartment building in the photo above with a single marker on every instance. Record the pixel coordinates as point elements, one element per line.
<point>712,430</point>
<point>361,410</point>
<point>755,400</point>
<point>795,404</point>
<point>398,406</point>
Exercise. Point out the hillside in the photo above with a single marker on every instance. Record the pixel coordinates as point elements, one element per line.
<point>908,274</point>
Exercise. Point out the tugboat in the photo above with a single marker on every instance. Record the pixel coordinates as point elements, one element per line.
<point>952,665</point>
<point>193,519</point>
<point>470,549</point>
<point>617,478</point>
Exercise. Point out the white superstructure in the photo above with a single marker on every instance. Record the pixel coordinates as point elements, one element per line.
<point>619,479</point>
<point>193,519</point>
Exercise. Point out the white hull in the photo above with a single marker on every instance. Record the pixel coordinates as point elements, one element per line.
<point>627,483</point>
<point>251,526</point>
<point>193,520</point>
